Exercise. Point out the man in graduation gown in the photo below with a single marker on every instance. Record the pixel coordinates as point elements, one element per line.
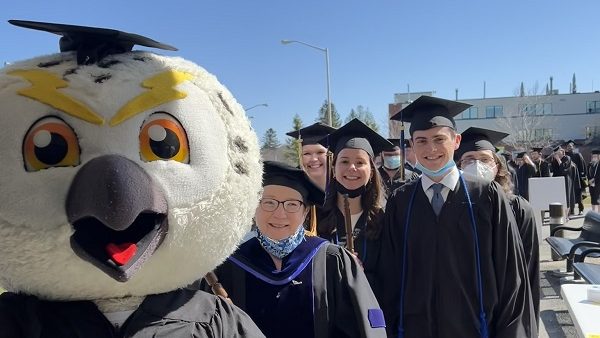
<point>594,180</point>
<point>542,168</point>
<point>513,172</point>
<point>579,162</point>
<point>563,166</point>
<point>453,262</point>
<point>525,171</point>
<point>391,169</point>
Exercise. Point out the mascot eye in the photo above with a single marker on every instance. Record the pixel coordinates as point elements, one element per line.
<point>50,142</point>
<point>163,138</point>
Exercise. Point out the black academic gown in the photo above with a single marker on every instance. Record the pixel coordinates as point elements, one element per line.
<point>529,236</point>
<point>392,183</point>
<point>367,249</point>
<point>319,292</point>
<point>579,162</point>
<point>180,313</point>
<point>441,290</point>
<point>567,170</point>
<point>542,168</point>
<point>513,177</point>
<point>524,173</point>
<point>594,174</point>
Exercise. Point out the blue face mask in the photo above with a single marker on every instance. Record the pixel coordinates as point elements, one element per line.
<point>283,247</point>
<point>391,162</point>
<point>437,173</point>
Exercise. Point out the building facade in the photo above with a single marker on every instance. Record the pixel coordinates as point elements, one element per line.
<point>538,120</point>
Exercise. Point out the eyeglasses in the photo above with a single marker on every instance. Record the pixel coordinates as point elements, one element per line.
<point>270,205</point>
<point>485,160</point>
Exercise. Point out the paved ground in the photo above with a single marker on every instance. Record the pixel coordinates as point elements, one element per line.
<point>555,319</point>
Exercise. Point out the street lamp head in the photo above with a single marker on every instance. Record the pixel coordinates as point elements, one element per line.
<point>285,42</point>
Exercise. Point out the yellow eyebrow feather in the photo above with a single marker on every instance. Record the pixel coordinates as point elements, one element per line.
<point>161,90</point>
<point>44,88</point>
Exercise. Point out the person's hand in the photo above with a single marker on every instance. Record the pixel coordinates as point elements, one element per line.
<point>355,256</point>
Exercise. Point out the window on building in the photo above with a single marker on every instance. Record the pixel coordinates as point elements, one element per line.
<point>592,131</point>
<point>535,109</point>
<point>542,134</point>
<point>493,111</point>
<point>470,113</point>
<point>593,107</point>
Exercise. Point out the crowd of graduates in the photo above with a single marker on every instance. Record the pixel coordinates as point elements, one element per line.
<point>437,241</point>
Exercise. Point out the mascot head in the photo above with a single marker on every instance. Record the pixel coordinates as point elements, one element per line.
<point>124,173</point>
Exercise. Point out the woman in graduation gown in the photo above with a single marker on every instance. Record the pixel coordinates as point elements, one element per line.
<point>452,263</point>
<point>293,285</point>
<point>477,158</point>
<point>356,176</point>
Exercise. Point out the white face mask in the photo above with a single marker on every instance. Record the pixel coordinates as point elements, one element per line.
<point>478,169</point>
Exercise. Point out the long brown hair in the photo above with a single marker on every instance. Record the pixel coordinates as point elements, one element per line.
<point>369,203</point>
<point>503,176</point>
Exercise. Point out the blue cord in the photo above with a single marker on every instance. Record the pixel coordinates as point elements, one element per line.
<point>482,318</point>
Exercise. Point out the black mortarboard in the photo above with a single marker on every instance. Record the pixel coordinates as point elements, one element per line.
<point>356,135</point>
<point>538,149</point>
<point>91,43</point>
<point>427,112</point>
<point>394,141</point>
<point>569,141</point>
<point>311,134</point>
<point>479,139</point>
<point>557,148</point>
<point>596,151</point>
<point>521,154</point>
<point>277,173</point>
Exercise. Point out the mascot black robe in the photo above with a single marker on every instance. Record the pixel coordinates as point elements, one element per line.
<point>320,291</point>
<point>180,313</point>
<point>441,291</point>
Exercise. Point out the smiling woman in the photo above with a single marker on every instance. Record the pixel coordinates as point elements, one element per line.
<point>284,278</point>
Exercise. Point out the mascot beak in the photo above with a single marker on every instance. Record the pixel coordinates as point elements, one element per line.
<point>118,213</point>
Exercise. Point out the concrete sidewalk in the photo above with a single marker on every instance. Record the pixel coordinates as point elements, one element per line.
<point>555,321</point>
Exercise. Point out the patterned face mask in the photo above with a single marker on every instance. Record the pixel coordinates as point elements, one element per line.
<point>282,247</point>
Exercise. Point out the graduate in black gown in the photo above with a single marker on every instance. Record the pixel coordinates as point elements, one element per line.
<point>579,162</point>
<point>525,171</point>
<point>293,285</point>
<point>594,180</point>
<point>354,145</point>
<point>563,166</point>
<point>391,171</point>
<point>511,170</point>
<point>542,168</point>
<point>453,262</point>
<point>313,156</point>
<point>476,157</point>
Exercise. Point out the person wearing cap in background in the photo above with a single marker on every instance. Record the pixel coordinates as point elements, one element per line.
<point>452,263</point>
<point>313,156</point>
<point>410,161</point>
<point>542,168</point>
<point>292,284</point>
<point>593,175</point>
<point>391,169</point>
<point>355,176</point>
<point>525,171</point>
<point>562,165</point>
<point>579,162</point>
<point>476,157</point>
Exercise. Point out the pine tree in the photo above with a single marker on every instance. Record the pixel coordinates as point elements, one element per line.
<point>365,116</point>
<point>293,147</point>
<point>270,140</point>
<point>324,116</point>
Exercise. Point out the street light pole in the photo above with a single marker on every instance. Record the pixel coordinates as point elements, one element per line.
<point>257,105</point>
<point>329,111</point>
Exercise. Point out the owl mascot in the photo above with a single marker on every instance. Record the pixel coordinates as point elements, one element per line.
<point>125,177</point>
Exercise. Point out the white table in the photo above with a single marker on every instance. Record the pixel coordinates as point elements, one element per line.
<point>585,314</point>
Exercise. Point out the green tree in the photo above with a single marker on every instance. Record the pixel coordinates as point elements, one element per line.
<point>353,115</point>
<point>270,140</point>
<point>365,116</point>
<point>293,146</point>
<point>324,116</point>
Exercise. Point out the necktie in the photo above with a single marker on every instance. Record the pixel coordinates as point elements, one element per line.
<point>438,200</point>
